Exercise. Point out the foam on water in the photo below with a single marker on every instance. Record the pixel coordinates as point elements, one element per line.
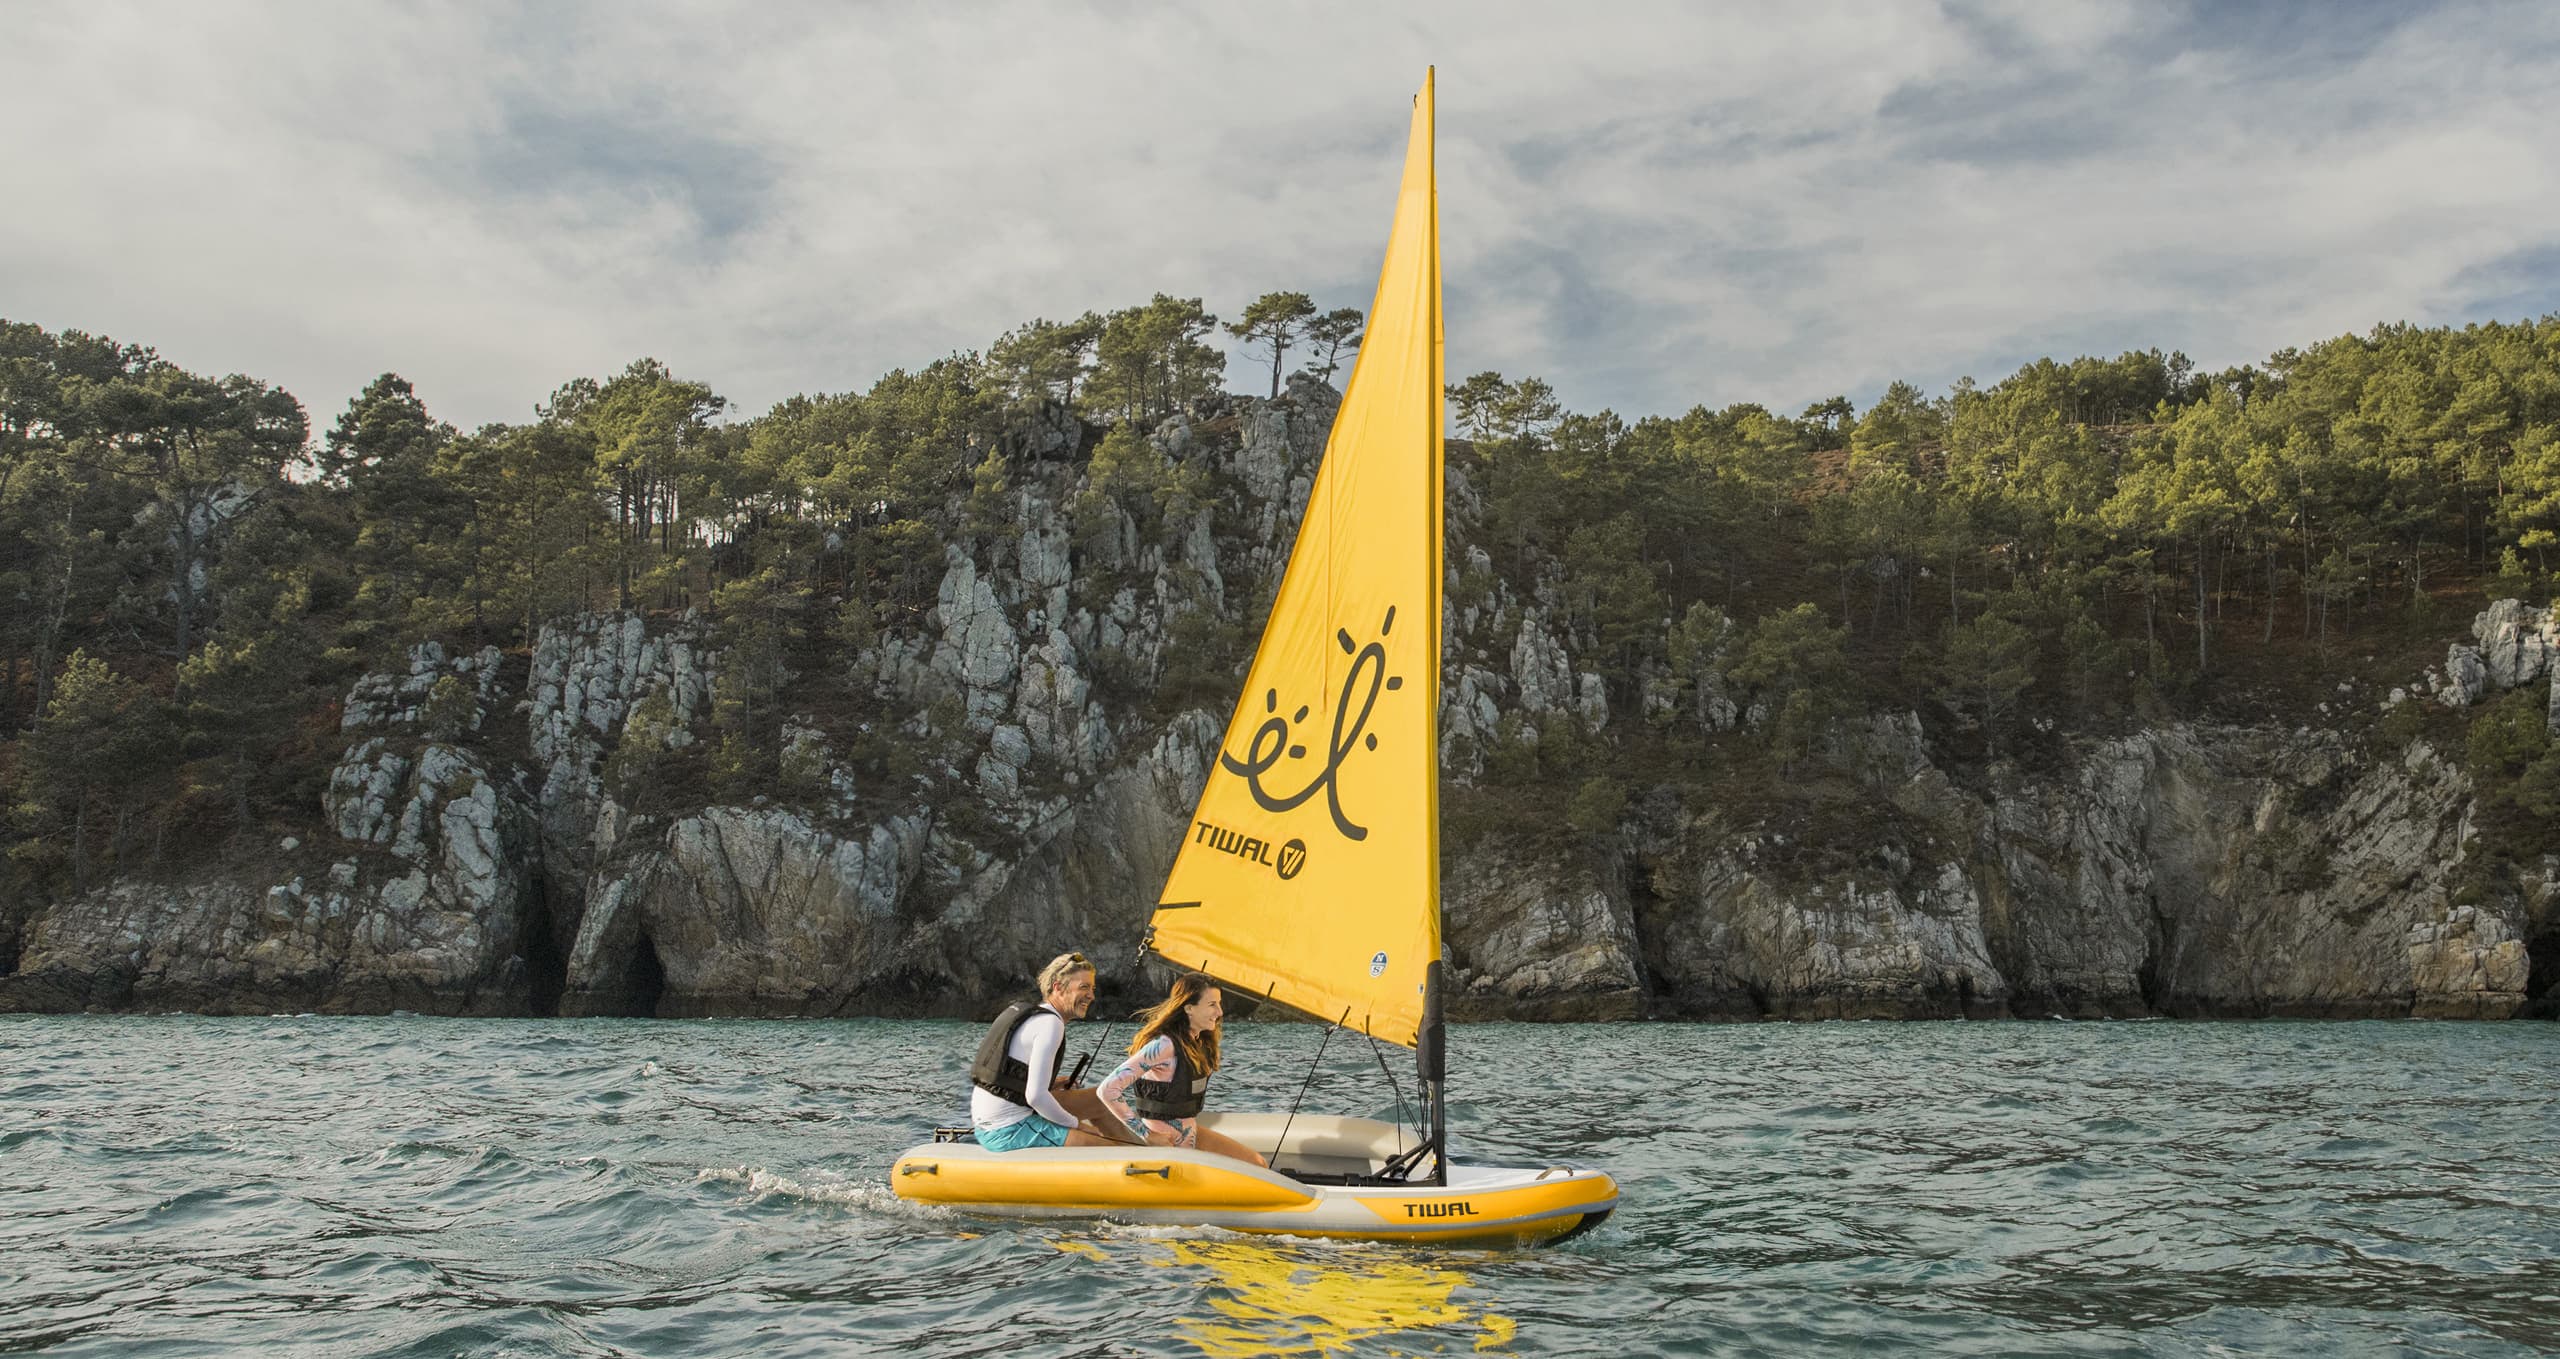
<point>866,1195</point>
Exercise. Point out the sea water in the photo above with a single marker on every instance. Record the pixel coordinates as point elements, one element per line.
<point>178,1186</point>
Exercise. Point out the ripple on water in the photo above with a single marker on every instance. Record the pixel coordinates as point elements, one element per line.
<point>391,1187</point>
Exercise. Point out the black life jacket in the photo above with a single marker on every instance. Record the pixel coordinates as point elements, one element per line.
<point>996,1070</point>
<point>1180,1097</point>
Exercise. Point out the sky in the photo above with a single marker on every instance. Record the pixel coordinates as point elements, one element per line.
<point>1651,206</point>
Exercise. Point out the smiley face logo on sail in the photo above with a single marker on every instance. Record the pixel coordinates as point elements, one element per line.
<point>1272,741</point>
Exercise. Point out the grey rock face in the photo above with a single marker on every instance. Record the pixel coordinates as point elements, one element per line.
<point>2465,677</point>
<point>1531,939</point>
<point>589,676</point>
<point>2516,643</point>
<point>589,673</point>
<point>978,653</point>
<point>1541,672</point>
<point>1750,938</point>
<point>384,700</point>
<point>762,913</point>
<point>2184,871</point>
<point>2180,869</point>
<point>434,911</point>
<point>746,912</point>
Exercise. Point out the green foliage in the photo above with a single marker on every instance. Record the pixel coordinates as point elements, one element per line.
<point>449,709</point>
<point>2515,578</point>
<point>97,752</point>
<point>1793,663</point>
<point>1597,805</point>
<point>1985,666</point>
<point>2097,534</point>
<point>2515,770</point>
<point>1130,476</point>
<point>1511,757</point>
<point>537,543</point>
<point>765,620</point>
<point>1611,592</point>
<point>1697,651</point>
<point>636,771</point>
<point>1273,322</point>
<point>852,628</point>
<point>1045,360</point>
<point>1486,406</point>
<point>1789,651</point>
<point>741,770</point>
<point>1152,360</point>
<point>1330,337</point>
<point>1203,655</point>
<point>1897,431</point>
<point>2507,737</point>
<point>801,774</point>
<point>2406,722</point>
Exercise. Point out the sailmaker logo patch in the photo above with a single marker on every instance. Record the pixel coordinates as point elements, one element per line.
<point>1285,860</point>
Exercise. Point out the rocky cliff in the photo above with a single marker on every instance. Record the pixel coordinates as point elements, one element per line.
<point>492,841</point>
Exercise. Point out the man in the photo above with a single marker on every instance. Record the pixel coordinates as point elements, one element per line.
<point>1017,1098</point>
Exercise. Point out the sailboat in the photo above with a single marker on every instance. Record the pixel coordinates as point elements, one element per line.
<point>1310,877</point>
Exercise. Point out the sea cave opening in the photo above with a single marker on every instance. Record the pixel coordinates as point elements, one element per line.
<point>643,980</point>
<point>546,963</point>
<point>2542,972</point>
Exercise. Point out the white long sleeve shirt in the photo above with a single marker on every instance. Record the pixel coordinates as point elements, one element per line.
<point>1036,1046</point>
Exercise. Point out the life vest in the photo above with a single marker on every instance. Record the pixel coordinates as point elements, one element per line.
<point>996,1070</point>
<point>1180,1097</point>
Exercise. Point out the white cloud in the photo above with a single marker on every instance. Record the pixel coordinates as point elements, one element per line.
<point>1651,206</point>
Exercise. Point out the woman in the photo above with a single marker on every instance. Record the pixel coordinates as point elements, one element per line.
<point>1159,1089</point>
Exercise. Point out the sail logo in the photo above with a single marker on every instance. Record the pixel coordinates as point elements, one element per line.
<point>1291,857</point>
<point>1275,740</point>
<point>1460,1208</point>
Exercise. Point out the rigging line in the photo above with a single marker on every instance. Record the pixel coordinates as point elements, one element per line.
<point>1394,1084</point>
<point>1302,1086</point>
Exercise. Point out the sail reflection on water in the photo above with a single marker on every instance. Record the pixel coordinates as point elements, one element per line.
<point>1271,1300</point>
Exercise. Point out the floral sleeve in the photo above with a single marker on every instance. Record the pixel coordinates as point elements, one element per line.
<point>1154,1062</point>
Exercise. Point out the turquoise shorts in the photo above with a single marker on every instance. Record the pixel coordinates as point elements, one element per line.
<point>1034,1131</point>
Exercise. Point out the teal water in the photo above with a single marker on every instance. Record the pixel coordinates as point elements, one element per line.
<point>178,1186</point>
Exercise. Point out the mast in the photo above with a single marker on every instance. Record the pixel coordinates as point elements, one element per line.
<point>1431,1051</point>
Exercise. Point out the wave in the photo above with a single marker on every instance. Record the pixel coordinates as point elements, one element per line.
<point>861,1195</point>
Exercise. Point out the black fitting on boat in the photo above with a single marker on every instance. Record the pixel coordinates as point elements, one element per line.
<point>1431,1046</point>
<point>1431,1050</point>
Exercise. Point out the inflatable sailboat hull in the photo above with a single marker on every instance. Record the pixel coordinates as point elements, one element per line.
<point>1481,1205</point>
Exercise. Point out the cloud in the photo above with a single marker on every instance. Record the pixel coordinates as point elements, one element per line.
<point>1652,206</point>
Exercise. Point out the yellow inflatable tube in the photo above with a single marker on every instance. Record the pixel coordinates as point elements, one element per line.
<point>1480,1204</point>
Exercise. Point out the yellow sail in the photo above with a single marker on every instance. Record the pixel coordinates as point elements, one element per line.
<point>1310,874</point>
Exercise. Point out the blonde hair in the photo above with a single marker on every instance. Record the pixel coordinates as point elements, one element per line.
<point>1166,1020</point>
<point>1060,968</point>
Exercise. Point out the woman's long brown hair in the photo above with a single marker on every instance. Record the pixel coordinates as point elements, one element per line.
<point>1167,1020</point>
